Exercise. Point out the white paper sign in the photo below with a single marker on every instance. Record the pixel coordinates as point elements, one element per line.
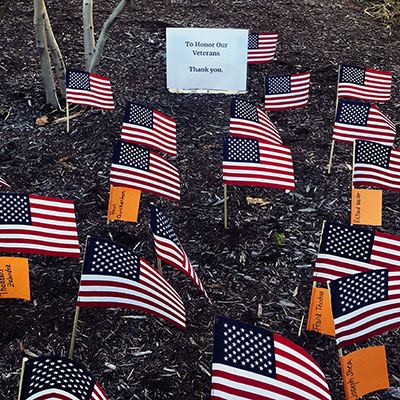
<point>210,59</point>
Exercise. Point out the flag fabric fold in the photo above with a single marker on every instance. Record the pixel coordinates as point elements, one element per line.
<point>39,225</point>
<point>248,120</point>
<point>138,168</point>
<point>253,163</point>
<point>89,89</point>
<point>376,165</point>
<point>347,250</point>
<point>359,120</point>
<point>148,127</point>
<point>169,248</point>
<point>115,276</point>
<point>364,84</point>
<point>253,363</point>
<point>365,304</point>
<point>261,47</point>
<point>287,91</point>
<point>55,377</point>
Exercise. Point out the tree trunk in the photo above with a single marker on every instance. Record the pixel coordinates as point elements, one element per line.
<point>103,34</point>
<point>41,44</point>
<point>55,53</point>
<point>88,31</point>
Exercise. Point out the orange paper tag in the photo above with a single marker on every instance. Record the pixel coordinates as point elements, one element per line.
<point>123,204</point>
<point>320,317</point>
<point>14,278</point>
<point>366,207</point>
<point>364,371</point>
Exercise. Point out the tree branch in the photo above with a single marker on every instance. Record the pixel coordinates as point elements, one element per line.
<point>88,31</point>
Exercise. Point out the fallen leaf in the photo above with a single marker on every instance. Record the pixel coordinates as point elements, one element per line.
<point>257,201</point>
<point>42,120</point>
<point>62,159</point>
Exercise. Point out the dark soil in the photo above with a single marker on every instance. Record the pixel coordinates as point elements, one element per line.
<point>246,273</point>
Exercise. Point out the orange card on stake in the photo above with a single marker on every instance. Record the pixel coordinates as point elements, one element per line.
<point>364,371</point>
<point>14,278</point>
<point>123,204</point>
<point>366,207</point>
<point>320,318</point>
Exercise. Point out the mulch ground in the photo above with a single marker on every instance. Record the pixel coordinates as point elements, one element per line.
<point>248,275</point>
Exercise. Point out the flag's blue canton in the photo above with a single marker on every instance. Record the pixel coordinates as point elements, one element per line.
<point>277,84</point>
<point>131,155</point>
<point>78,79</point>
<point>359,290</point>
<point>253,41</point>
<point>347,241</point>
<point>244,346</point>
<point>353,113</point>
<point>107,258</point>
<point>139,115</point>
<point>244,110</point>
<point>14,209</point>
<point>58,372</point>
<point>241,150</point>
<point>372,153</point>
<point>350,74</point>
<point>161,226</point>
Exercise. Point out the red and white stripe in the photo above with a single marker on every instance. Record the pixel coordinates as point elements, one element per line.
<point>99,95</point>
<point>264,130</point>
<point>151,294</point>
<point>275,169</point>
<point>373,175</point>
<point>161,179</point>
<point>378,129</point>
<point>266,49</point>
<point>298,96</point>
<point>161,137</point>
<point>377,87</point>
<point>298,377</point>
<point>98,393</point>
<point>53,230</point>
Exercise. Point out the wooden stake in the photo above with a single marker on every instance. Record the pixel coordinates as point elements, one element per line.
<point>301,326</point>
<point>24,360</point>
<point>73,336</point>
<point>225,207</point>
<point>67,117</point>
<point>159,265</point>
<point>331,157</point>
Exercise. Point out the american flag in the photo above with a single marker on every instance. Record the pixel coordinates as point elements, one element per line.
<point>148,127</point>
<point>261,47</point>
<point>365,84</point>
<point>248,120</point>
<point>376,165</point>
<point>358,120</point>
<point>40,225</point>
<point>115,276</point>
<point>252,163</point>
<point>365,305</point>
<point>89,89</point>
<point>4,183</point>
<point>287,91</point>
<point>347,250</point>
<point>169,248</point>
<point>58,378</point>
<point>144,170</point>
<point>253,363</point>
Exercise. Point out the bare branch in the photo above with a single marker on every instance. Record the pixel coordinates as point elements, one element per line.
<point>88,31</point>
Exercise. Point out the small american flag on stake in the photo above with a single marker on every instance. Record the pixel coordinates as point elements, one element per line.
<point>365,305</point>
<point>58,378</point>
<point>168,247</point>
<point>35,224</point>
<point>253,363</point>
<point>144,170</point>
<point>261,47</point>
<point>365,84</point>
<point>148,127</point>
<point>248,120</point>
<point>115,276</point>
<point>252,163</point>
<point>287,91</point>
<point>89,89</point>
<point>376,165</point>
